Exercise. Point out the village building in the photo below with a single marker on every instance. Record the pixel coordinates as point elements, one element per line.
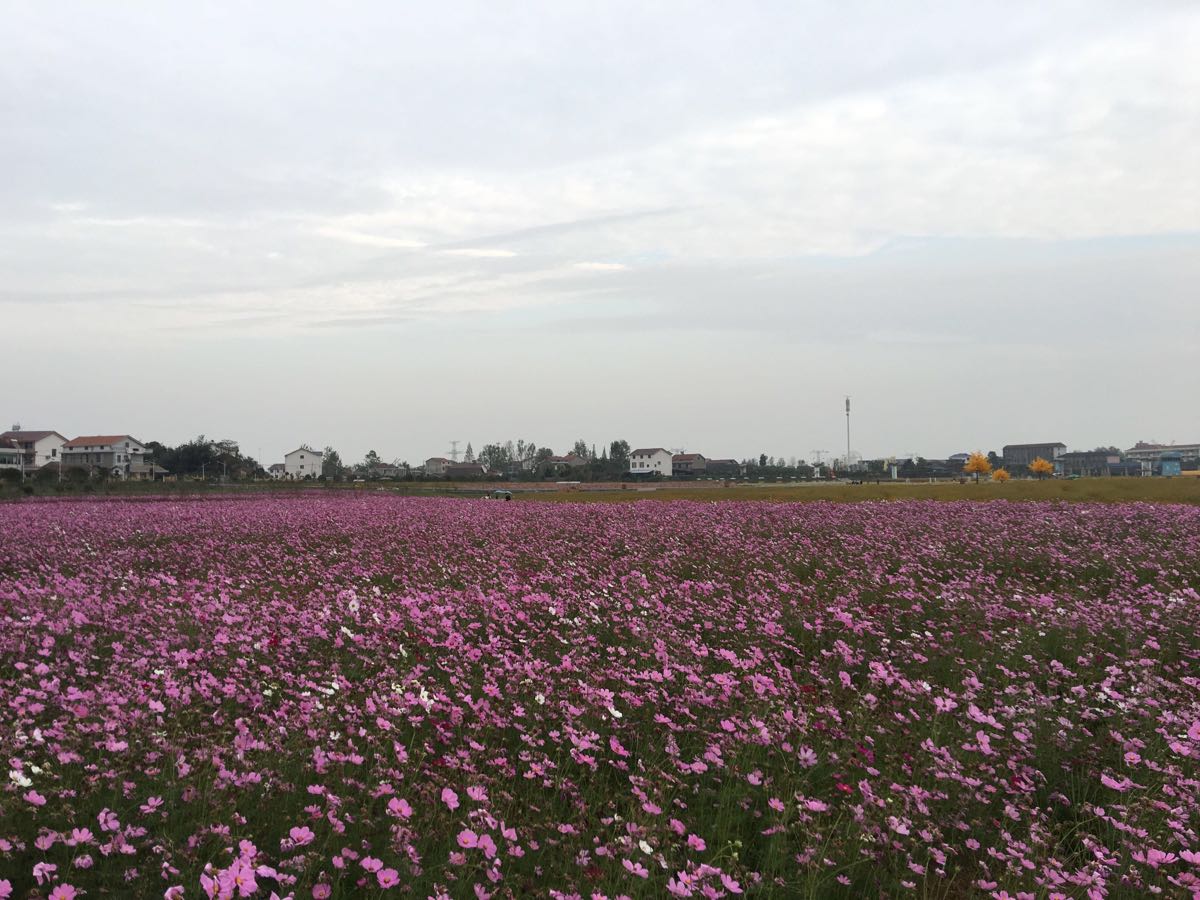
<point>302,463</point>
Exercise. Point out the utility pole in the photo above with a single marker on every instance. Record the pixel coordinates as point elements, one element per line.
<point>847,433</point>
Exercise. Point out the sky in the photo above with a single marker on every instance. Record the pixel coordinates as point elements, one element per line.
<point>385,227</point>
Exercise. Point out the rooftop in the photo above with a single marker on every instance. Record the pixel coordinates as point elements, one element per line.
<point>99,440</point>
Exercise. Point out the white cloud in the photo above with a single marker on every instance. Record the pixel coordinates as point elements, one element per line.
<point>601,266</point>
<point>369,240</point>
<point>479,253</point>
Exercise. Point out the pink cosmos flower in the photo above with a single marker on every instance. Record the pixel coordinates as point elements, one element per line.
<point>468,839</point>
<point>399,807</point>
<point>488,846</point>
<point>635,868</point>
<point>387,878</point>
<point>478,793</point>
<point>63,892</point>
<point>696,842</point>
<point>321,891</point>
<point>371,864</point>
<point>35,798</point>
<point>5,889</point>
<point>450,798</point>
<point>301,835</point>
<point>44,872</point>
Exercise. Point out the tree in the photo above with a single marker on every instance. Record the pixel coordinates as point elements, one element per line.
<point>1041,467</point>
<point>469,456</point>
<point>581,449</point>
<point>1000,475</point>
<point>618,454</point>
<point>331,464</point>
<point>977,464</point>
<point>762,459</point>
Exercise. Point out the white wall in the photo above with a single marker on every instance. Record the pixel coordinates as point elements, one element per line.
<point>48,449</point>
<point>303,463</point>
<point>659,461</point>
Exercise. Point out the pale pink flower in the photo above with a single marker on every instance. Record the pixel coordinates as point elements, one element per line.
<point>387,878</point>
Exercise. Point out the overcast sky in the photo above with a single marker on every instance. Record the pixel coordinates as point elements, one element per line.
<point>387,226</point>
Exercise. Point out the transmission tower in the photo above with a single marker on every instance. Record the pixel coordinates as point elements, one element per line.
<point>454,450</point>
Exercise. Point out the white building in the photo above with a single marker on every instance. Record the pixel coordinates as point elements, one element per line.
<point>652,461</point>
<point>120,454</point>
<point>37,447</point>
<point>303,462</point>
<point>436,465</point>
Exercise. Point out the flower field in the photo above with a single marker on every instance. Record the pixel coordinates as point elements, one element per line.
<point>381,696</point>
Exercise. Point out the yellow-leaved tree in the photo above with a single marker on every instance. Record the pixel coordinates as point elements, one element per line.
<point>1001,475</point>
<point>1041,467</point>
<point>977,464</point>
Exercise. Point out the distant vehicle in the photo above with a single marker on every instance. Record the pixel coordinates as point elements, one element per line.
<point>500,495</point>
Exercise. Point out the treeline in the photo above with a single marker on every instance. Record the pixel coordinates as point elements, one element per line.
<point>204,458</point>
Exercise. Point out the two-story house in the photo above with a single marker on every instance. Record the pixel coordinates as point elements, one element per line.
<point>688,465</point>
<point>121,455</point>
<point>303,462</point>
<point>650,461</point>
<point>435,466</point>
<point>38,448</point>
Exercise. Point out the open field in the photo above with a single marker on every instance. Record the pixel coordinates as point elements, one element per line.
<point>1091,490</point>
<point>349,695</point>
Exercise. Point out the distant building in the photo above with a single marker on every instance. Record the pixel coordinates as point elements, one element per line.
<point>570,461</point>
<point>10,454</point>
<point>650,461</point>
<point>688,465</point>
<point>722,468</point>
<point>1023,454</point>
<point>1171,463</point>
<point>1086,464</point>
<point>1154,452</point>
<point>38,448</point>
<point>385,470</point>
<point>436,465</point>
<point>303,462</point>
<point>464,470</point>
<point>119,454</point>
<point>277,470</point>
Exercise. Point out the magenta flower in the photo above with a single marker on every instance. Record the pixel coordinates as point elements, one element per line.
<point>450,798</point>
<point>301,835</point>
<point>34,798</point>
